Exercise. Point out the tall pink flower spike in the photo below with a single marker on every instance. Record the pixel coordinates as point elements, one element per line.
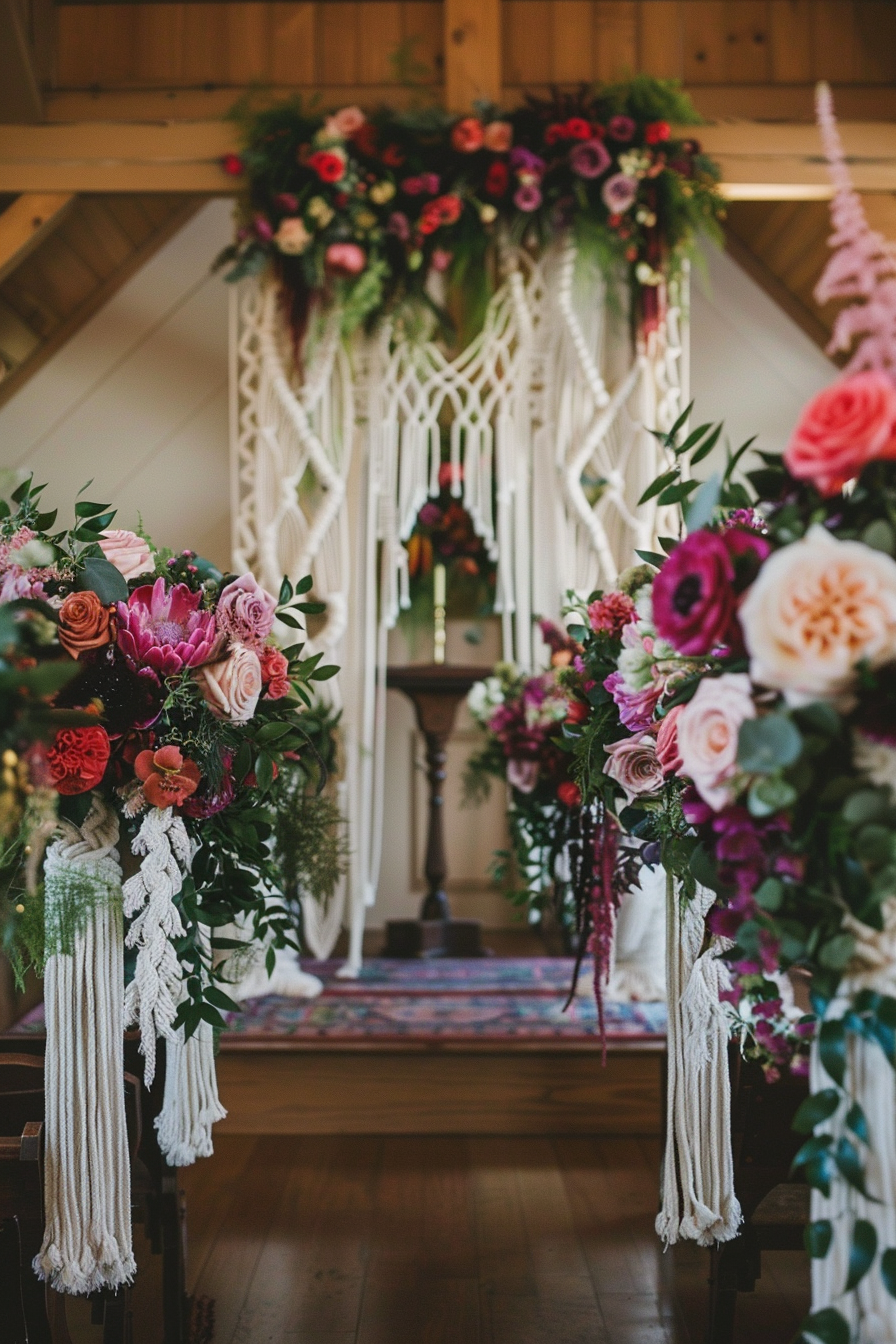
<point>863,266</point>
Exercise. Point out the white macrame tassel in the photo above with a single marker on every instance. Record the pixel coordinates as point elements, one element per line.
<point>87,1239</point>
<point>870,1080</point>
<point>191,1104</point>
<point>152,996</point>
<point>698,1199</point>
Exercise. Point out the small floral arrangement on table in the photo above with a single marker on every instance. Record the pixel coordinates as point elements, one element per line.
<point>527,721</point>
<point>365,209</point>
<point>444,534</point>
<point>175,696</point>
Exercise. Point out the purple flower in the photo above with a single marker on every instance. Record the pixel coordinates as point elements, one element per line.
<point>621,128</point>
<point>246,612</point>
<point>262,228</point>
<point>430,514</point>
<point>635,707</point>
<point>164,629</point>
<point>286,202</point>
<point>693,594</point>
<point>399,226</point>
<point>523,160</point>
<point>430,183</point>
<point>527,198</point>
<point>589,158</point>
<point>619,192</point>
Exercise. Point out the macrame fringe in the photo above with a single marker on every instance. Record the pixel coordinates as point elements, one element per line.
<point>191,1104</point>
<point>87,1238</point>
<point>698,1199</point>
<point>152,996</point>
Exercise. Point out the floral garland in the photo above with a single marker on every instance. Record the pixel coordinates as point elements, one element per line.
<point>370,211</point>
<point>172,694</point>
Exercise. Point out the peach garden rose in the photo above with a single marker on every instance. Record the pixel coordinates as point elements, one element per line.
<point>817,609</point>
<point>231,687</point>
<point>707,731</point>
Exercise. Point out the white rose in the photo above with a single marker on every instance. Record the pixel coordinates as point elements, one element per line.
<point>708,729</point>
<point>875,759</point>
<point>818,608</point>
<point>231,686</point>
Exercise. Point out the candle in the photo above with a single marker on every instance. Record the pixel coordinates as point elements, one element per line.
<point>438,577</point>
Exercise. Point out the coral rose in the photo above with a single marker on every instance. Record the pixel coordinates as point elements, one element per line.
<point>274,673</point>
<point>345,259</point>
<point>246,611</point>
<point>667,751</point>
<point>819,608</point>
<point>841,430</point>
<point>634,765</point>
<point>85,623</point>
<point>129,553</point>
<point>167,779</point>
<point>78,758</point>
<point>231,686</point>
<point>468,135</point>
<point>707,731</point>
<point>498,136</point>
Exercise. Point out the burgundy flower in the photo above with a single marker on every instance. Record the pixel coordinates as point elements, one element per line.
<point>527,198</point>
<point>164,628</point>
<point>693,594</point>
<point>621,128</point>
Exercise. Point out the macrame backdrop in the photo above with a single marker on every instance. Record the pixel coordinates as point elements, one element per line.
<point>549,412</point>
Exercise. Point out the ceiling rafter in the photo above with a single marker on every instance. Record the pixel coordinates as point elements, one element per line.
<point>27,222</point>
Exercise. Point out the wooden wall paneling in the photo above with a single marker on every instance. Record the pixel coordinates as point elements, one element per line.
<point>473,46</point>
<point>748,42</point>
<point>705,47</point>
<point>130,218</point>
<point>572,41</point>
<point>159,45</point>
<point>115,36</point>
<point>835,40</point>
<point>422,29</point>
<point>77,57</point>
<point>292,43</point>
<point>204,56</point>
<point>248,40</point>
<point>379,38</point>
<point>26,222</point>
<point>527,48</point>
<point>108,236</point>
<point>615,38</point>
<point>791,46</point>
<point>661,47</point>
<point>876,41</point>
<point>60,277</point>
<point>21,97</point>
<point>337,43</point>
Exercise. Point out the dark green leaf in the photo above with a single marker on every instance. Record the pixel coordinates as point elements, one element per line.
<point>285,592</point>
<point>84,509</point>
<point>827,1326</point>
<point>815,1109</point>
<point>817,1238</point>
<point>836,952</point>
<point>856,1120</point>
<point>221,1000</point>
<point>304,585</point>
<point>676,494</point>
<point>849,1164</point>
<point>706,447</point>
<point>832,1049</point>
<point>102,578</point>
<point>863,806</point>
<point>659,484</point>
<point>861,1252</point>
<point>288,619</point>
<point>311,608</point>
<point>888,1270</point>
<point>324,673</point>
<point>651,558</point>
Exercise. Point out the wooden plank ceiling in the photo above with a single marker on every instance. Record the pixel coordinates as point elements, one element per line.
<point>97,244</point>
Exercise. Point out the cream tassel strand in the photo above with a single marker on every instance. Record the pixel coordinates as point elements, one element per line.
<point>87,1239</point>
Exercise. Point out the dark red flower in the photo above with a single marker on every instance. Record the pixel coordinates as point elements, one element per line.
<point>329,167</point>
<point>577,712</point>
<point>577,128</point>
<point>655,132</point>
<point>78,758</point>
<point>365,138</point>
<point>554,133</point>
<point>232,165</point>
<point>444,210</point>
<point>393,156</point>
<point>569,793</point>
<point>497,178</point>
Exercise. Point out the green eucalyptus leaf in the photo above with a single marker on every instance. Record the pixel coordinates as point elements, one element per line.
<point>767,744</point>
<point>880,536</point>
<point>770,894</point>
<point>770,795</point>
<point>702,507</point>
<point>836,952</point>
<point>863,806</point>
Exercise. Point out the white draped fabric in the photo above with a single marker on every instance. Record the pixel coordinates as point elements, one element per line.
<point>548,411</point>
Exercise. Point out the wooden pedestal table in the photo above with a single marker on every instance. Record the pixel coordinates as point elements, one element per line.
<point>435,690</point>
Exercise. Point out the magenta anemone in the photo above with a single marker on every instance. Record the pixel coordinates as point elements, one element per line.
<point>164,628</point>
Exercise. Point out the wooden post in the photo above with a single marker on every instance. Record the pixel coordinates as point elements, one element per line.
<point>472,52</point>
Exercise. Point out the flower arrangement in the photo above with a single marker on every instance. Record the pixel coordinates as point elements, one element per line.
<point>156,683</point>
<point>365,210</point>
<point>444,534</point>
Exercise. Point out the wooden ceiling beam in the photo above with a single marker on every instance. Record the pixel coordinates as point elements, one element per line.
<point>26,222</point>
<point>20,94</point>
<point>759,161</point>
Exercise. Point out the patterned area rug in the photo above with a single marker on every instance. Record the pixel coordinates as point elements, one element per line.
<point>445,1001</point>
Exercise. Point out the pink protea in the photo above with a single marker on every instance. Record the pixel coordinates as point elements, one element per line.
<point>164,628</point>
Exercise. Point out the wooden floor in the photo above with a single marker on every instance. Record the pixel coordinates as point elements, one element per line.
<point>453,1240</point>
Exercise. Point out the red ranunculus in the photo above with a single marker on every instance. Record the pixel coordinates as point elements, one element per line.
<point>78,758</point>
<point>329,167</point>
<point>577,128</point>
<point>444,210</point>
<point>497,178</point>
<point>569,793</point>
<point>655,132</point>
<point>577,712</point>
<point>166,777</point>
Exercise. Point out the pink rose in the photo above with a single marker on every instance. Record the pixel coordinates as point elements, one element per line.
<point>707,731</point>
<point>231,687</point>
<point>845,427</point>
<point>129,553</point>
<point>522,775</point>
<point>246,612</point>
<point>345,123</point>
<point>667,742</point>
<point>634,765</point>
<point>498,136</point>
<point>345,259</point>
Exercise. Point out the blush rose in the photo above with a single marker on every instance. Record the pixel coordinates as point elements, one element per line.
<point>129,553</point>
<point>231,687</point>
<point>707,731</point>
<point>634,765</point>
<point>246,612</point>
